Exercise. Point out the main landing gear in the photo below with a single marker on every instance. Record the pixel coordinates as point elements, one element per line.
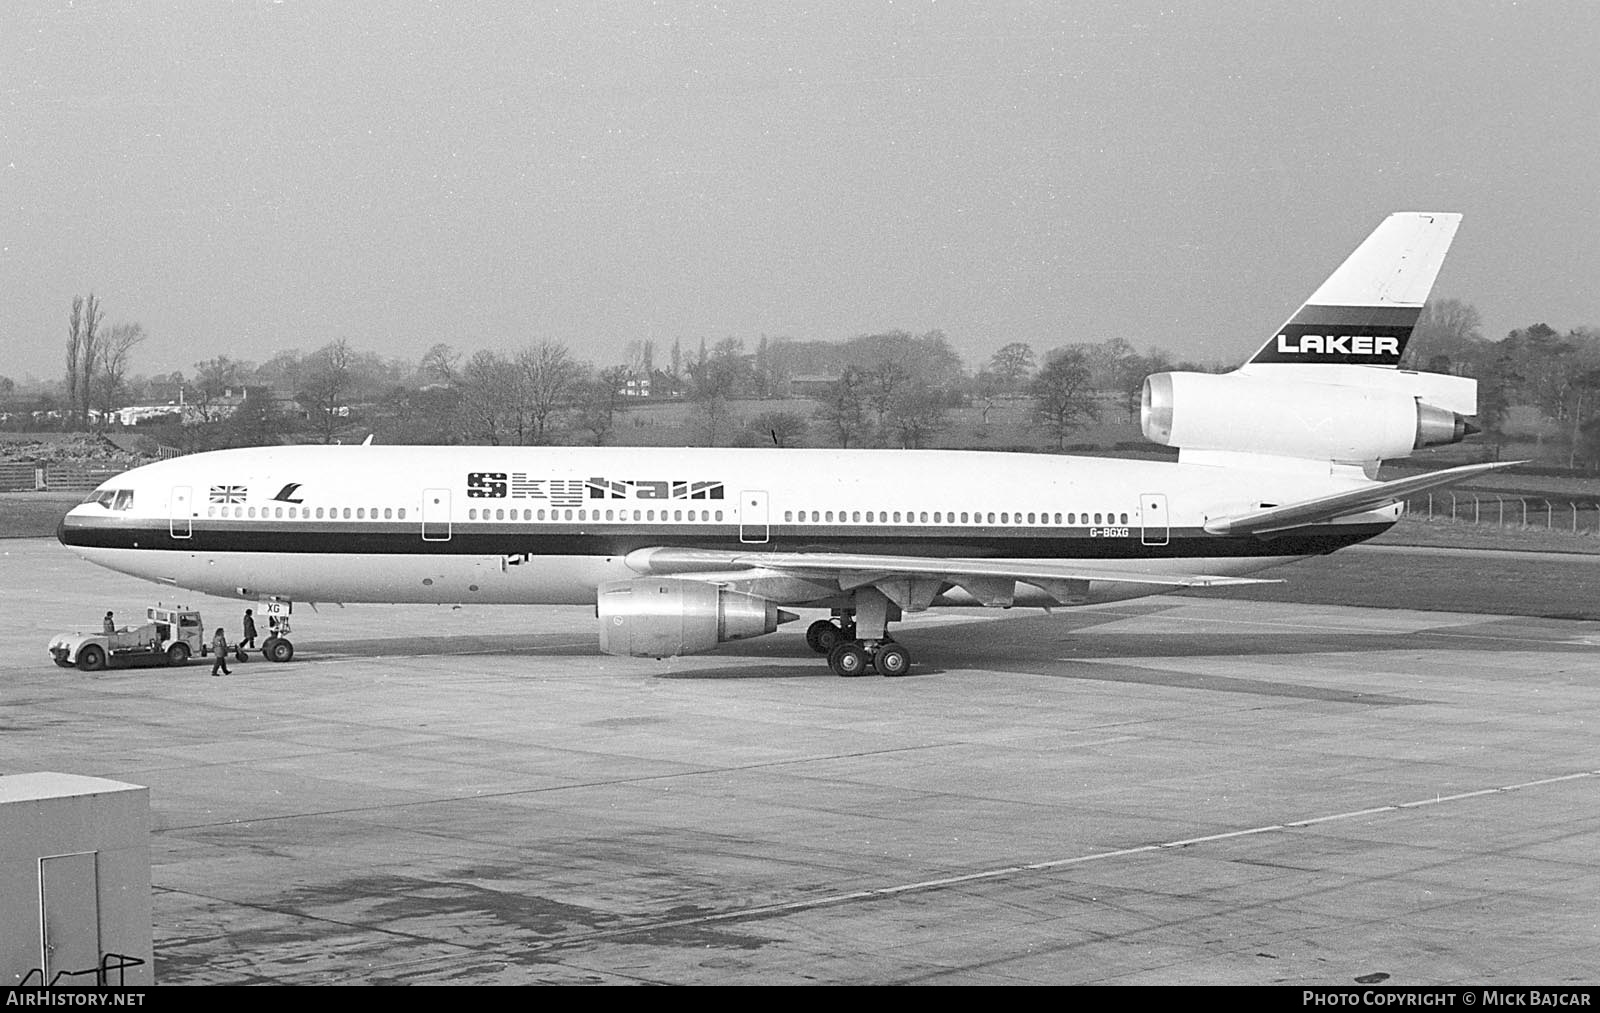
<point>856,641</point>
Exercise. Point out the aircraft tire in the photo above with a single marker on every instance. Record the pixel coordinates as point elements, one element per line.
<point>823,636</point>
<point>849,660</point>
<point>277,649</point>
<point>91,659</point>
<point>892,660</point>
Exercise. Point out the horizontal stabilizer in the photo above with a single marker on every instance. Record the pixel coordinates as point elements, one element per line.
<point>1343,504</point>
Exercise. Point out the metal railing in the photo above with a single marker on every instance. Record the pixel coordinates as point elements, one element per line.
<point>1554,513</point>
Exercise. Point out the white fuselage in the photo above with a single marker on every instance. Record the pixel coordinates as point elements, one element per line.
<point>547,525</point>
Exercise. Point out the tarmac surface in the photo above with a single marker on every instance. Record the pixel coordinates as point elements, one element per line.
<point>1175,790</point>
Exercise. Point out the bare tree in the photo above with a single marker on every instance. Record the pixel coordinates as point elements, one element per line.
<point>438,364</point>
<point>485,383</point>
<point>115,353</point>
<point>88,362</point>
<point>602,401</point>
<point>1011,367</point>
<point>782,428</point>
<point>1063,395</point>
<point>844,408</point>
<point>546,379</point>
<point>74,350</point>
<point>329,383</point>
<point>915,412</point>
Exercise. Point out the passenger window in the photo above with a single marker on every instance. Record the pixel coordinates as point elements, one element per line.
<point>361,513</point>
<point>719,515</point>
<point>830,516</point>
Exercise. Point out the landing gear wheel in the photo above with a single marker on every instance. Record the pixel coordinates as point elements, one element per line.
<point>178,655</point>
<point>892,660</point>
<point>91,659</point>
<point>849,660</point>
<point>277,649</point>
<point>823,636</point>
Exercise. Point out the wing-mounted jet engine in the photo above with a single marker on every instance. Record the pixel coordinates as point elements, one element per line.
<point>663,617</point>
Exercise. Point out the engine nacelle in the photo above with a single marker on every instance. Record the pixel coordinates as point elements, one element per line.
<point>662,617</point>
<point>1289,418</point>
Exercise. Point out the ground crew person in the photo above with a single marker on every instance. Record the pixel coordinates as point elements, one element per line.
<point>108,626</point>
<point>219,647</point>
<point>249,638</point>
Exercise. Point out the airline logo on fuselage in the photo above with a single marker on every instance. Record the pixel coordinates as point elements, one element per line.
<point>565,492</point>
<point>1338,344</point>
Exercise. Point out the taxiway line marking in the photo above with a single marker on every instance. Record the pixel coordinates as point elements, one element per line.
<point>790,907</point>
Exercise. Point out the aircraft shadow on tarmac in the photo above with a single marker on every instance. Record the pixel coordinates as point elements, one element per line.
<point>1028,643</point>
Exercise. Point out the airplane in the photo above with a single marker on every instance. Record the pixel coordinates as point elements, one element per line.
<point>680,550</point>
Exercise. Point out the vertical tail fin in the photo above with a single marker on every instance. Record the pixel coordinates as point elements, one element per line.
<point>1364,313</point>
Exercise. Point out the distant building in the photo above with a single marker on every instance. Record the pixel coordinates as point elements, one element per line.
<point>812,385</point>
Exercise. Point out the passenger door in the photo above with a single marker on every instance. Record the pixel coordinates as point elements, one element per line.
<point>753,526</point>
<point>181,512</point>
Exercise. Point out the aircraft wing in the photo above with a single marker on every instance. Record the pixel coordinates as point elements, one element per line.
<point>1343,504</point>
<point>912,582</point>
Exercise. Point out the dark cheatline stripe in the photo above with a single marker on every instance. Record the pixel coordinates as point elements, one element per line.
<point>578,540</point>
<point>1373,316</point>
<point>1344,335</point>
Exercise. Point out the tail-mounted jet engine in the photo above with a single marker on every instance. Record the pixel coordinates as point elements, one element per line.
<point>661,617</point>
<point>1279,416</point>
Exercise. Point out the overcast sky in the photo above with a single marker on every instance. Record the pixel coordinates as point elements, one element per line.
<point>244,178</point>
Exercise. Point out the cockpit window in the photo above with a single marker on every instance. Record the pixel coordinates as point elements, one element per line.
<point>112,499</point>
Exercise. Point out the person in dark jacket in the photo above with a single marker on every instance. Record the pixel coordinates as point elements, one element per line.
<point>219,648</point>
<point>249,638</point>
<point>108,625</point>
